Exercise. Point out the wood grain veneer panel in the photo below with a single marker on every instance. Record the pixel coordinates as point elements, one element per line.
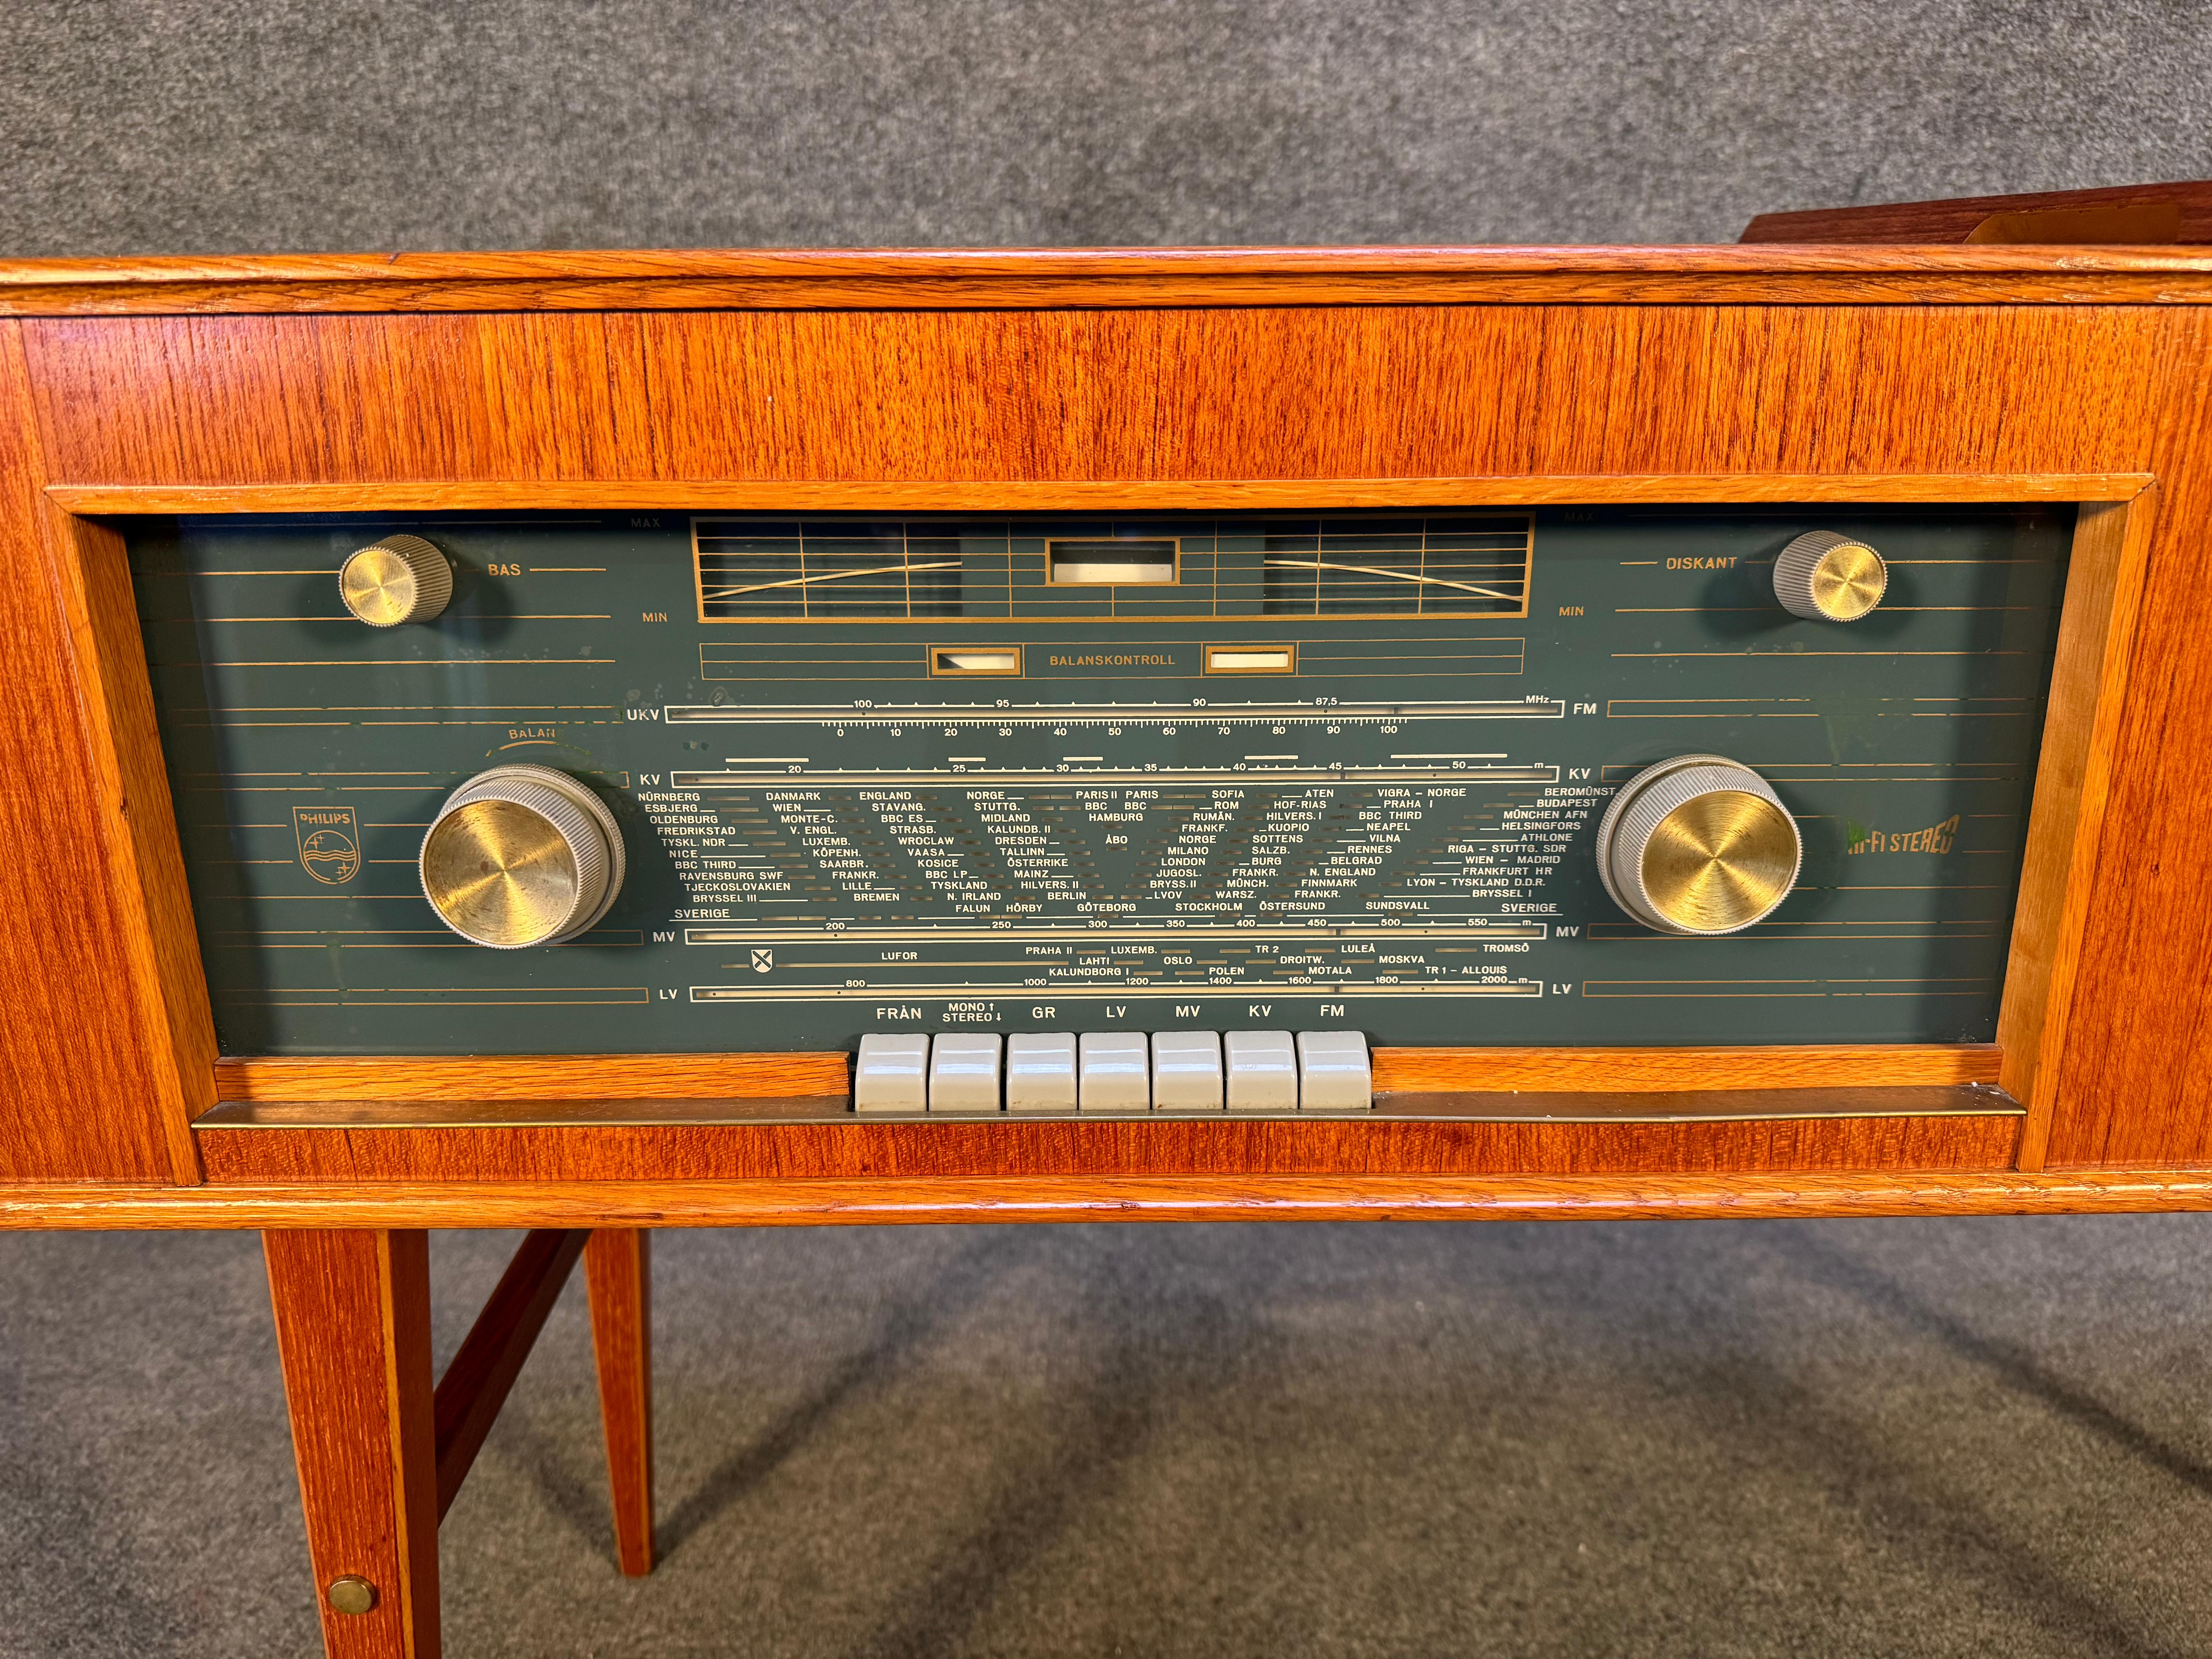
<point>2135,1083</point>
<point>1665,1070</point>
<point>83,1094</point>
<point>2058,884</point>
<point>154,905</point>
<point>551,1077</point>
<point>944,397</point>
<point>691,1151</point>
<point>804,1203</point>
<point>1368,392</point>
<point>1959,218</point>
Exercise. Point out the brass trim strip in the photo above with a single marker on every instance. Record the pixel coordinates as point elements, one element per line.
<point>1713,1106</point>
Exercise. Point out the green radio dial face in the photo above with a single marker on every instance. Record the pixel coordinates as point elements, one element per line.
<point>1331,770</point>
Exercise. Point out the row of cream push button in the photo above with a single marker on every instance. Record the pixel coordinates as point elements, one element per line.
<point>960,1072</point>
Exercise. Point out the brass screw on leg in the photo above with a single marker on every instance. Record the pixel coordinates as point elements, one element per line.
<point>352,1593</point>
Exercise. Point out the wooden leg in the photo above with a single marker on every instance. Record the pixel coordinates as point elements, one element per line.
<point>490,1358</point>
<point>615,1267</point>
<point>353,1326</point>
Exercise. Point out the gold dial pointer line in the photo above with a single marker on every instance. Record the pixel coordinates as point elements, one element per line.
<point>1395,577</point>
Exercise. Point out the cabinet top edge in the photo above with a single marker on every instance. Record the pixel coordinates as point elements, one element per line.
<point>918,277</point>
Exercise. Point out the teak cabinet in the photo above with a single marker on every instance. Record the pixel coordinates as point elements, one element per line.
<point>1217,379</point>
<point>1204,378</point>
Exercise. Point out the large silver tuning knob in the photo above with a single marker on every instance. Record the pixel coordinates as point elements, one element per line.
<point>401,579</point>
<point>1698,845</point>
<point>522,855</point>
<point>1824,577</point>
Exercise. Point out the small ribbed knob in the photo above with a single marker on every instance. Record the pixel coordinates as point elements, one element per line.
<point>401,579</point>
<point>522,855</point>
<point>1824,577</point>
<point>1698,845</point>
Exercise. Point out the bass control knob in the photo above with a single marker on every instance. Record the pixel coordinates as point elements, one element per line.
<point>1698,845</point>
<point>401,579</point>
<point>1824,577</point>
<point>522,855</point>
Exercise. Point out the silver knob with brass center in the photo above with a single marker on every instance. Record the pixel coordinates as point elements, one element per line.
<point>1824,577</point>
<point>522,855</point>
<point>401,579</point>
<point>1699,845</point>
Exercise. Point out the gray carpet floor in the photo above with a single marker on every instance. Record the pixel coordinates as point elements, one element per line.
<point>149,126</point>
<point>1908,1437</point>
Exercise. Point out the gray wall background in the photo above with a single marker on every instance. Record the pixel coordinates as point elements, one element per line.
<point>240,125</point>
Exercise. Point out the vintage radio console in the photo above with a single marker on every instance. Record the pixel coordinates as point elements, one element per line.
<point>593,742</point>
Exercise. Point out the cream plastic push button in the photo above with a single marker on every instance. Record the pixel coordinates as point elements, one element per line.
<point>1186,1070</point>
<point>1697,844</point>
<point>521,855</point>
<point>964,1072</point>
<point>892,1073</point>
<point>1115,1072</point>
<point>1333,1073</point>
<point>401,579</point>
<point>1041,1071</point>
<point>1824,577</point>
<point>1263,1072</point>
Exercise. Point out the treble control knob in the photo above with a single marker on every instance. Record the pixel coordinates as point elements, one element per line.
<point>401,579</point>
<point>1824,577</point>
<point>522,855</point>
<point>1697,844</point>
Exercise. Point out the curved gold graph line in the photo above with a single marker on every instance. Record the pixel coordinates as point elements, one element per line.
<point>828,576</point>
<point>1395,575</point>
